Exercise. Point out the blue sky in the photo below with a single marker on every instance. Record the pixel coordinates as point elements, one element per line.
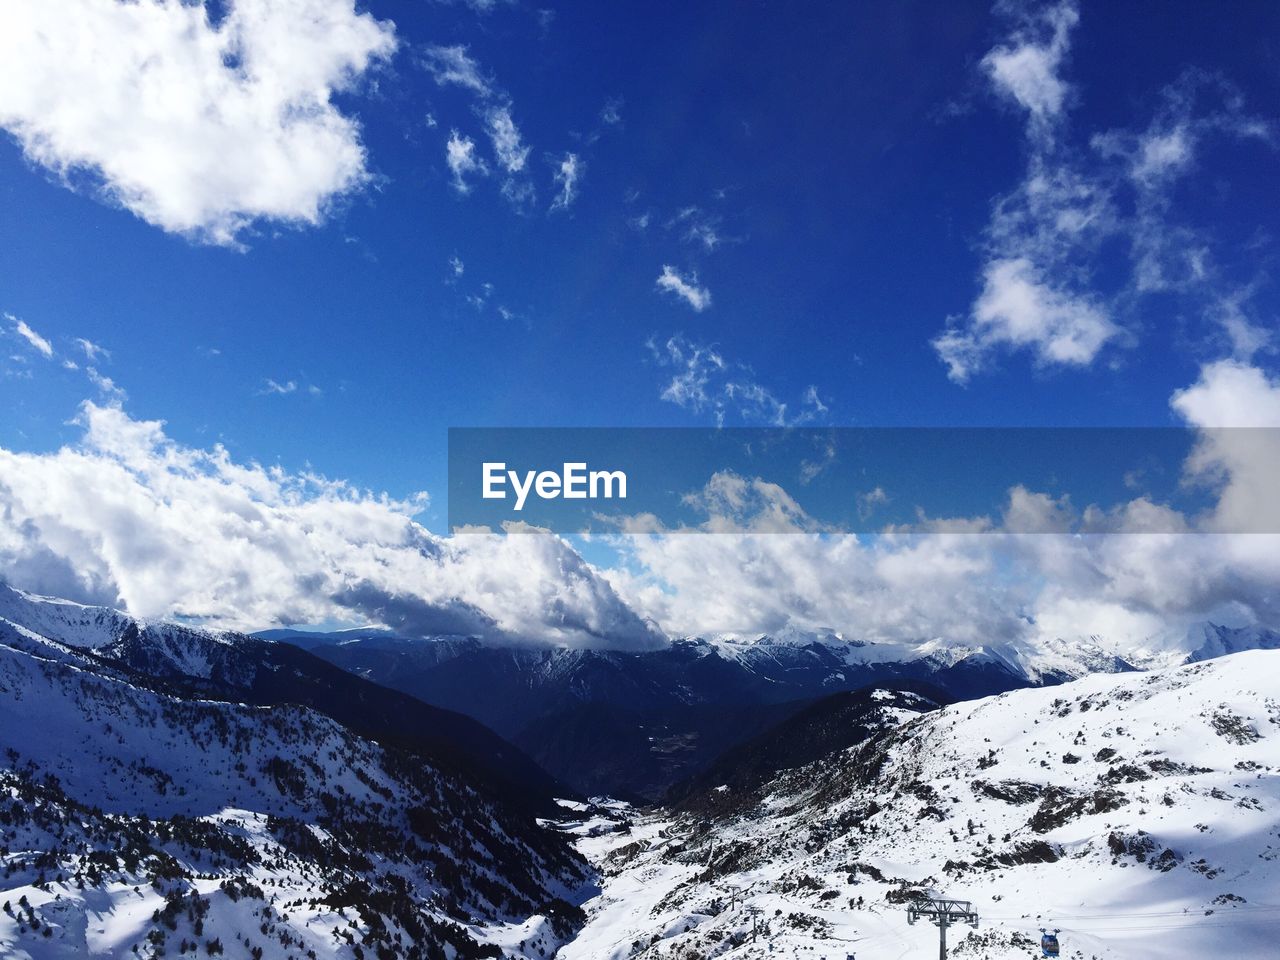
<point>829,191</point>
<point>848,157</point>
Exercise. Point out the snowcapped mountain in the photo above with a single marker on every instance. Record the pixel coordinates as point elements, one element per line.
<point>1138,813</point>
<point>1217,641</point>
<point>632,724</point>
<point>146,811</point>
<point>231,666</point>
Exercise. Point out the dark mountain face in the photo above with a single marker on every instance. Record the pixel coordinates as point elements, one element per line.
<point>819,729</point>
<point>634,755</point>
<point>631,724</point>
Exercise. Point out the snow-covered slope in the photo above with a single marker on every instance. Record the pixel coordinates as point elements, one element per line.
<point>1139,813</point>
<point>138,819</point>
<point>224,665</point>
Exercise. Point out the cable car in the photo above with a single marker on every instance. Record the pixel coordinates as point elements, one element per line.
<point>1048,942</point>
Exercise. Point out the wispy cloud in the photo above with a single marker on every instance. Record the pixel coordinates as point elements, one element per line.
<point>1047,240</point>
<point>611,112</point>
<point>93,352</point>
<point>1026,67</point>
<point>33,339</point>
<point>704,381</point>
<point>684,286</point>
<point>699,227</point>
<point>274,388</point>
<point>453,66</point>
<point>106,386</point>
<point>568,173</point>
<point>479,6</point>
<point>508,146</point>
<point>460,155</point>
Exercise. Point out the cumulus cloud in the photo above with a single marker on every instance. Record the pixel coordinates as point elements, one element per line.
<point>129,516</point>
<point>762,565</point>
<point>1016,579</point>
<point>199,128</point>
<point>1136,577</point>
<point>684,286</point>
<point>1237,407</point>
<point>33,339</point>
<point>1019,309</point>
<point>126,515</point>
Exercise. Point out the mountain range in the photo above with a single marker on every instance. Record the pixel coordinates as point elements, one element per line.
<point>167,789</point>
<point>633,724</point>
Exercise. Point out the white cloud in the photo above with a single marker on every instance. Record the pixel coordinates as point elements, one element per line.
<point>93,352</point>
<point>106,386</point>
<point>568,173</point>
<point>611,112</point>
<point>453,66</point>
<point>695,364</point>
<point>127,515</point>
<point>698,227</point>
<point>1230,393</point>
<point>703,381</point>
<point>1236,405</point>
<point>1017,581</point>
<point>460,155</point>
<point>457,266</point>
<point>1049,283</point>
<point>1026,67</point>
<point>870,500</point>
<point>33,339</point>
<point>684,286</point>
<point>271,387</point>
<point>511,152</point>
<point>479,6</point>
<point>199,129</point>
<point>1018,309</point>
<point>1162,154</point>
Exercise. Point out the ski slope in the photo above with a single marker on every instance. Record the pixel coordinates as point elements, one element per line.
<point>1138,813</point>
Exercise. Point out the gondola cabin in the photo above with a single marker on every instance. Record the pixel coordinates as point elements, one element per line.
<point>1049,943</point>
